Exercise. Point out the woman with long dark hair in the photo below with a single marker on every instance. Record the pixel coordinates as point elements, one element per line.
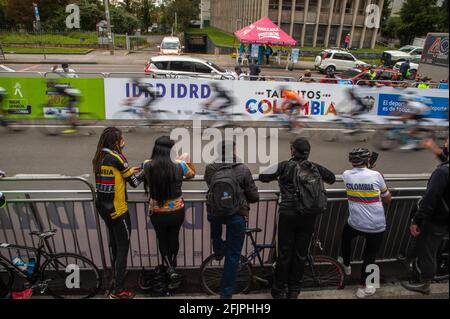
<point>112,173</point>
<point>163,182</point>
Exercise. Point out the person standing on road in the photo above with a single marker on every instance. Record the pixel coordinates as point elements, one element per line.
<point>255,70</point>
<point>428,226</point>
<point>163,183</point>
<point>404,69</point>
<point>112,173</point>
<point>366,193</point>
<point>347,41</point>
<point>295,226</point>
<point>269,53</point>
<point>231,189</point>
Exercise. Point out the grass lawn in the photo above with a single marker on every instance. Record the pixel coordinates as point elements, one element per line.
<point>73,38</point>
<point>46,50</point>
<point>225,39</point>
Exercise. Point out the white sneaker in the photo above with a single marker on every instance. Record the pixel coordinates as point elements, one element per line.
<point>366,292</point>
<point>409,147</point>
<point>347,269</point>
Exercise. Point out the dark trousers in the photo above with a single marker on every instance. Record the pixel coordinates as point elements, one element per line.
<point>231,248</point>
<point>119,243</point>
<point>294,237</point>
<point>167,227</point>
<point>427,247</point>
<point>373,244</point>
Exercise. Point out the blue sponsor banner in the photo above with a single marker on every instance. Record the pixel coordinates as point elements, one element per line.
<point>390,103</point>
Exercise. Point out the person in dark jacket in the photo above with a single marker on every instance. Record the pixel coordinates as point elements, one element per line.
<point>235,224</point>
<point>404,68</point>
<point>429,225</point>
<point>294,230</point>
<point>255,70</point>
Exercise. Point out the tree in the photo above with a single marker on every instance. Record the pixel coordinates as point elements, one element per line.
<point>186,11</point>
<point>123,21</point>
<point>386,13</point>
<point>391,29</point>
<point>20,13</point>
<point>418,17</point>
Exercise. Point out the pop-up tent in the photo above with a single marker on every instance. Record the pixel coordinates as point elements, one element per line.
<point>264,31</point>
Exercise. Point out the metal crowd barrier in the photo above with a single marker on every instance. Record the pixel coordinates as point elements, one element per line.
<point>80,229</point>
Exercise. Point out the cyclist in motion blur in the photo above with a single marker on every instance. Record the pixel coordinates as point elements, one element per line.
<point>219,105</point>
<point>293,103</point>
<point>143,109</point>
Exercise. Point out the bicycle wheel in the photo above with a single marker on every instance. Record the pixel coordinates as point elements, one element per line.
<point>384,140</point>
<point>86,123</point>
<point>211,273</point>
<point>325,273</point>
<point>6,280</point>
<point>71,276</point>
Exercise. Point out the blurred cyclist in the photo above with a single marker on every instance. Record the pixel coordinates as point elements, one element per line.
<point>223,99</point>
<point>73,98</point>
<point>292,104</point>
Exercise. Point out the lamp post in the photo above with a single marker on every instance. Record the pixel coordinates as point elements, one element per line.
<point>108,20</point>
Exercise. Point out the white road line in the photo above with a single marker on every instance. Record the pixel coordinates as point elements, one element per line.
<point>6,68</point>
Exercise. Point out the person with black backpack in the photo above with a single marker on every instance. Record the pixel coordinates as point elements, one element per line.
<point>429,225</point>
<point>303,198</point>
<point>231,190</point>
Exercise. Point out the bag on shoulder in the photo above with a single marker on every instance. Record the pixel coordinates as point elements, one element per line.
<point>224,196</point>
<point>311,194</point>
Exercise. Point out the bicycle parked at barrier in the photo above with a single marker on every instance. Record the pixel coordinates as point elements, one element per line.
<point>63,275</point>
<point>321,271</point>
<point>60,114</point>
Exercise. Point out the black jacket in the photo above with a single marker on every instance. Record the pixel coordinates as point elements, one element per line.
<point>434,205</point>
<point>285,175</point>
<point>244,178</point>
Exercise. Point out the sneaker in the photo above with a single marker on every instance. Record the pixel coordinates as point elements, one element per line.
<point>26,294</point>
<point>417,286</point>
<point>347,269</point>
<point>365,292</point>
<point>122,295</point>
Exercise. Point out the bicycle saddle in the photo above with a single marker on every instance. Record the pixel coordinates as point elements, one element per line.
<point>253,230</point>
<point>46,234</point>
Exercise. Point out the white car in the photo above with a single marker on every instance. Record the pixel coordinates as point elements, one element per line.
<point>337,60</point>
<point>185,66</point>
<point>408,52</point>
<point>170,46</point>
<point>413,66</point>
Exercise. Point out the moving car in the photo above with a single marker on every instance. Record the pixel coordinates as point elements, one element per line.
<point>408,52</point>
<point>185,65</point>
<point>336,60</point>
<point>170,46</point>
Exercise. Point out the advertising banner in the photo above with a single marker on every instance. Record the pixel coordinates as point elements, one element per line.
<point>26,96</point>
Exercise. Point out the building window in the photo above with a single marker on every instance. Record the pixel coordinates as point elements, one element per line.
<point>325,6</point>
<point>349,7</point>
<point>300,5</point>
<point>297,33</point>
<point>312,6</point>
<point>274,4</point>
<point>362,7</point>
<point>337,6</point>
<point>287,5</point>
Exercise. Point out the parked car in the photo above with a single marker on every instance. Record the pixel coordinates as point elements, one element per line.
<point>357,75</point>
<point>413,66</point>
<point>408,52</point>
<point>165,65</point>
<point>170,46</point>
<point>336,60</point>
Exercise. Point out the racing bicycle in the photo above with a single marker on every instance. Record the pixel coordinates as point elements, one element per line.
<point>61,275</point>
<point>321,272</point>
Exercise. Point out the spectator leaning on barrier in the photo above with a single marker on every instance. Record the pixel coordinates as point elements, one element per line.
<point>307,77</point>
<point>163,183</point>
<point>295,225</point>
<point>366,193</point>
<point>255,70</point>
<point>231,189</point>
<point>112,172</point>
<point>440,152</point>
<point>429,225</point>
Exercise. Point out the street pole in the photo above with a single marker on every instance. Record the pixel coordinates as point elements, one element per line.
<point>176,24</point>
<point>108,20</point>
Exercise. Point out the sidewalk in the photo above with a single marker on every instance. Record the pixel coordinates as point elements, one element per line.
<point>390,291</point>
<point>122,57</point>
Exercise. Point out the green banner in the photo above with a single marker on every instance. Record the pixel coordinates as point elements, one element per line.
<point>26,97</point>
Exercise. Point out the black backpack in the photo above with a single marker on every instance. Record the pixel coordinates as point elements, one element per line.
<point>310,190</point>
<point>225,194</point>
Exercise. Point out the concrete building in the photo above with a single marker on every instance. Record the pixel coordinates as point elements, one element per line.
<point>317,23</point>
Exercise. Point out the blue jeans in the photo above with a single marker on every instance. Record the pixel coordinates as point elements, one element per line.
<point>231,248</point>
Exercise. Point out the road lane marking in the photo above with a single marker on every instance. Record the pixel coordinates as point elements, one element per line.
<point>6,68</point>
<point>30,68</point>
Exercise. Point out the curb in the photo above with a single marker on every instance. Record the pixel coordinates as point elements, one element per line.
<point>45,62</point>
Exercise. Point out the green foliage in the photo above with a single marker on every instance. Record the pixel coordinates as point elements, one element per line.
<point>186,11</point>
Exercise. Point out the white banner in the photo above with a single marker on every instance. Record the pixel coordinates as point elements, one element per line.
<point>255,100</point>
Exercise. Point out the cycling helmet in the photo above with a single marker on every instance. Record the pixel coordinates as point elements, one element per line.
<point>359,156</point>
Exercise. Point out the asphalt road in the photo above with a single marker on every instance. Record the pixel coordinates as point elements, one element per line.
<point>31,152</point>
